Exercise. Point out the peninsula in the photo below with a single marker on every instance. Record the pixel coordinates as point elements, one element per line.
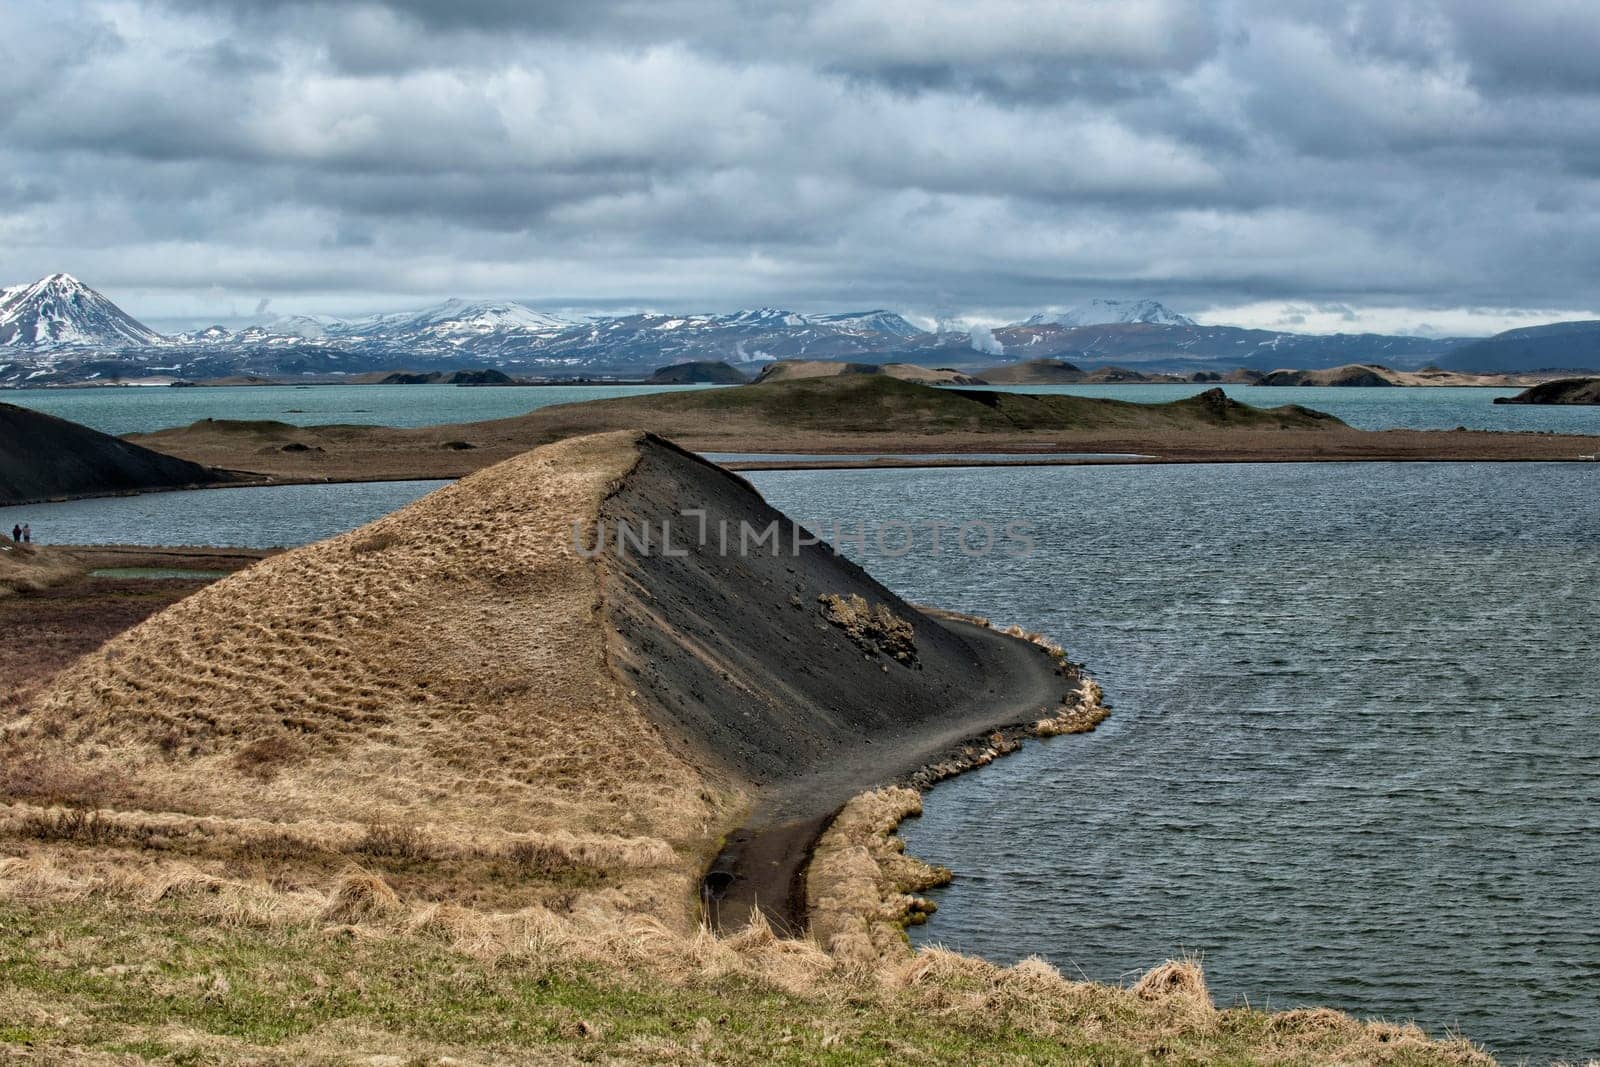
<point>849,415</point>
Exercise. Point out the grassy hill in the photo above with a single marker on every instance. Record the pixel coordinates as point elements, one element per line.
<point>1034,372</point>
<point>444,786</point>
<point>850,403</point>
<point>791,369</point>
<point>844,414</point>
<point>521,722</point>
<point>712,372</point>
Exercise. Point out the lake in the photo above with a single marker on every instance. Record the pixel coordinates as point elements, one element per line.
<point>271,516</point>
<point>1354,757</point>
<point>140,409</point>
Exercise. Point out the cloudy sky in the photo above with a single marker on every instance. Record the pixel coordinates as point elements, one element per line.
<point>1396,165</point>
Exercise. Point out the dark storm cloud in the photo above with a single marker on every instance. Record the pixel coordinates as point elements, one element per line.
<point>987,156</point>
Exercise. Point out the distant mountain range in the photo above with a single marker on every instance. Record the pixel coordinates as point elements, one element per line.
<point>1558,346</point>
<point>1102,312</point>
<point>59,331</point>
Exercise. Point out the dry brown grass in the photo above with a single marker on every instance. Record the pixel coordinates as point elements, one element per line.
<point>861,886</point>
<point>1167,1014</point>
<point>1082,710</point>
<point>358,737</point>
<point>440,668</point>
<point>360,897</point>
<point>29,568</point>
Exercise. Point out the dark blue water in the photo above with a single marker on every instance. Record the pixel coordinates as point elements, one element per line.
<point>1354,757</point>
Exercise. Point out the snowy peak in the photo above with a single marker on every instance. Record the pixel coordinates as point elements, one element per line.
<point>59,310</point>
<point>766,317</point>
<point>876,321</point>
<point>458,320</point>
<point>1103,312</point>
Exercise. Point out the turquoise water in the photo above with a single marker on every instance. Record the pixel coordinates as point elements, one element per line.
<point>1403,407</point>
<point>140,409</point>
<point>1354,756</point>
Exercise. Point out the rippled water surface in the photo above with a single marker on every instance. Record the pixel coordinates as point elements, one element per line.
<point>1355,753</point>
<point>258,517</point>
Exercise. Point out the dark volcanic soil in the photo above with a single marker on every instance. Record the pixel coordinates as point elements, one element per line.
<point>43,458</point>
<point>738,662</point>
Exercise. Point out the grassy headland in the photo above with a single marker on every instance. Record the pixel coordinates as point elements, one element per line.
<point>445,786</point>
<point>845,414</point>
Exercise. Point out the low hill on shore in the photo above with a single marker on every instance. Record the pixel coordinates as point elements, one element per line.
<point>455,377</point>
<point>884,404</point>
<point>1352,374</point>
<point>1375,374</point>
<point>1061,372</point>
<point>1034,372</point>
<point>1563,391</point>
<point>462,666</point>
<point>849,413</point>
<point>444,787</point>
<point>793,369</point>
<point>697,373</point>
<point>46,458</point>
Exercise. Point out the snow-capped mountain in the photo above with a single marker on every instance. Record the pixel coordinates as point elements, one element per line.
<point>751,336</point>
<point>60,311</point>
<point>63,331</point>
<point>879,321</point>
<point>453,321</point>
<point>1101,311</point>
<point>58,331</point>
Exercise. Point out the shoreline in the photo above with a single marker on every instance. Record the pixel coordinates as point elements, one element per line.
<point>251,480</point>
<point>766,860</point>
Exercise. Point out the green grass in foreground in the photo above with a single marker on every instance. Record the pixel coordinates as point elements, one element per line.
<point>94,981</point>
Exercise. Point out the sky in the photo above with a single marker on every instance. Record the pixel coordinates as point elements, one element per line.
<point>1416,166</point>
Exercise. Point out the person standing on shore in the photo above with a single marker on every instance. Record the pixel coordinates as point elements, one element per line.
<point>16,534</point>
<point>27,534</point>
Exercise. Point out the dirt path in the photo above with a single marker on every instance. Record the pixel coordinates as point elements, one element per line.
<point>764,863</point>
